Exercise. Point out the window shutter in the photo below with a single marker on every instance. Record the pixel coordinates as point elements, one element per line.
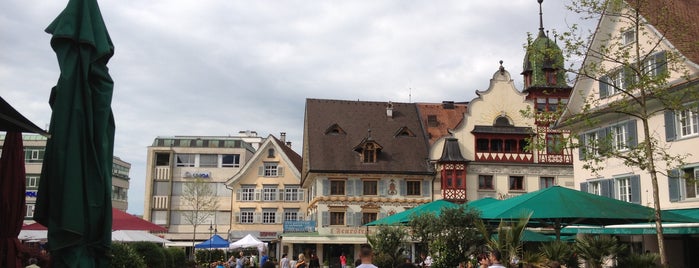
<point>603,87</point>
<point>382,187</point>
<point>605,186</point>
<point>260,171</point>
<point>612,190</point>
<point>670,130</point>
<point>326,187</point>
<point>257,217</point>
<point>280,171</point>
<point>581,147</point>
<point>357,218</point>
<point>633,134</point>
<point>358,187</point>
<point>674,185</point>
<point>236,217</point>
<point>282,193</point>
<point>661,63</point>
<point>350,187</point>
<point>635,181</point>
<point>277,217</point>
<point>300,195</point>
<point>426,189</point>
<point>403,187</point>
<point>238,194</point>
<point>325,218</point>
<point>583,187</point>
<point>603,141</point>
<point>258,194</point>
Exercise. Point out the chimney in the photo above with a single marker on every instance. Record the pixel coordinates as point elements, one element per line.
<point>448,104</point>
<point>389,110</point>
<point>288,144</point>
<point>282,137</point>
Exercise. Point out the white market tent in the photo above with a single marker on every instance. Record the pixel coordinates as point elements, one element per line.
<point>135,235</point>
<point>249,241</point>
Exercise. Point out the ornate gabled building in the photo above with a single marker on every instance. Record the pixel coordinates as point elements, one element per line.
<point>361,161</point>
<point>490,153</point>
<point>267,193</point>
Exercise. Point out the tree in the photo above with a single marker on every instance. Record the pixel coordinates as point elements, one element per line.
<point>452,236</point>
<point>389,245</point>
<point>639,77</point>
<point>199,197</point>
<point>595,250</point>
<point>509,238</point>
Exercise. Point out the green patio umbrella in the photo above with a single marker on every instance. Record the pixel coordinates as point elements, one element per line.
<point>402,218</point>
<point>557,207</point>
<point>531,236</point>
<point>74,197</point>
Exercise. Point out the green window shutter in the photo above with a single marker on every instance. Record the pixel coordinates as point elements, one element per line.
<point>670,130</point>
<point>661,63</point>
<point>606,188</point>
<point>635,182</point>
<point>603,87</point>
<point>674,185</point>
<point>581,147</point>
<point>603,141</point>
<point>632,134</point>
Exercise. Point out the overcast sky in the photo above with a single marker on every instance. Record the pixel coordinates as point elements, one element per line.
<point>216,67</point>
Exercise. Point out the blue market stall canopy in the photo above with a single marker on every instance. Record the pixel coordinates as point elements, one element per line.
<point>215,241</point>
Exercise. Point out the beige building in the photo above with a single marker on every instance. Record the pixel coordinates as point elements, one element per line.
<point>175,162</point>
<point>267,193</point>
<point>34,148</point>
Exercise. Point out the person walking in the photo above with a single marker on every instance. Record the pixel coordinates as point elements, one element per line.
<point>366,254</point>
<point>284,263</point>
<point>301,263</point>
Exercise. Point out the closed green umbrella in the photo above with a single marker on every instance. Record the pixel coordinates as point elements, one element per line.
<point>557,207</point>
<point>74,197</point>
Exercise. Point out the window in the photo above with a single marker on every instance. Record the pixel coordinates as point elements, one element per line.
<point>33,155</point>
<point>619,82</point>
<point>688,123</point>
<point>269,193</point>
<point>546,182</point>
<point>270,153</point>
<point>368,217</point>
<point>624,189</point>
<point>270,169</point>
<point>594,188</point>
<point>511,146</point>
<point>554,143</point>
<point>159,217</point>
<point>690,183</point>
<point>246,216</point>
<point>337,187</point>
<point>432,121</point>
<point>337,218</point>
<point>496,145</point>
<point>32,181</point>
<point>369,153</point>
<point>413,188</point>
<point>230,160</point>
<point>291,215</point>
<point>485,182</point>
<point>208,160</point>
<point>162,159</point>
<point>293,193</point>
<point>185,160</point>
<point>482,145</point>
<point>247,193</point>
<point>618,133</point>
<point>628,37</point>
<point>516,183</point>
<point>268,216</point>
<point>591,144</point>
<point>30,211</point>
<point>550,104</point>
<point>370,187</point>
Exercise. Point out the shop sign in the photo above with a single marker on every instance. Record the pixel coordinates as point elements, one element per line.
<point>197,174</point>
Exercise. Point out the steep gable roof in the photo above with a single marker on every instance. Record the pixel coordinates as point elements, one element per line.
<point>292,158</point>
<point>324,152</point>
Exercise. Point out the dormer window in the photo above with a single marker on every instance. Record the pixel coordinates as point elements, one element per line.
<point>369,153</point>
<point>335,129</point>
<point>404,132</point>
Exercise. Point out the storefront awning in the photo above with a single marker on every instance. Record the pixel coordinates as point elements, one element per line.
<point>635,229</point>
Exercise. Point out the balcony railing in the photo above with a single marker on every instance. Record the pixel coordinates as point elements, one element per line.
<point>504,157</point>
<point>162,173</point>
<point>160,202</point>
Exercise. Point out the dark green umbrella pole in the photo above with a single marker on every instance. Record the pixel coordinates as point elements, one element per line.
<point>74,197</point>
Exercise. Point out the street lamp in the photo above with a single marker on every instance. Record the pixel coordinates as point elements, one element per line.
<point>211,228</point>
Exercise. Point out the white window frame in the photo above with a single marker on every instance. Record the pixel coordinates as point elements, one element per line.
<point>247,217</point>
<point>594,188</point>
<point>546,179</point>
<point>269,217</point>
<point>247,194</point>
<point>684,185</point>
<point>628,37</point>
<point>32,181</point>
<point>213,164</point>
<point>271,169</point>
<point>623,188</point>
<point>619,137</point>
<point>293,193</point>
<point>270,194</point>
<point>186,164</point>
<point>30,211</point>
<point>291,215</point>
<point>236,160</point>
<point>591,144</point>
<point>687,123</point>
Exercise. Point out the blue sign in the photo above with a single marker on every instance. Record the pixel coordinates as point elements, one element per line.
<point>299,226</point>
<point>30,193</point>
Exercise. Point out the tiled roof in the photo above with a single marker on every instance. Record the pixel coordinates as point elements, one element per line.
<point>678,20</point>
<point>295,158</point>
<point>327,151</point>
<point>448,116</point>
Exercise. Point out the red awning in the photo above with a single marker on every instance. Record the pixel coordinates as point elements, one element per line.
<point>120,221</point>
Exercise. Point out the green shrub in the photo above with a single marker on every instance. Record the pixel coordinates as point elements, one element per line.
<point>168,258</point>
<point>204,256</point>
<point>178,256</point>
<point>151,253</point>
<point>126,257</point>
